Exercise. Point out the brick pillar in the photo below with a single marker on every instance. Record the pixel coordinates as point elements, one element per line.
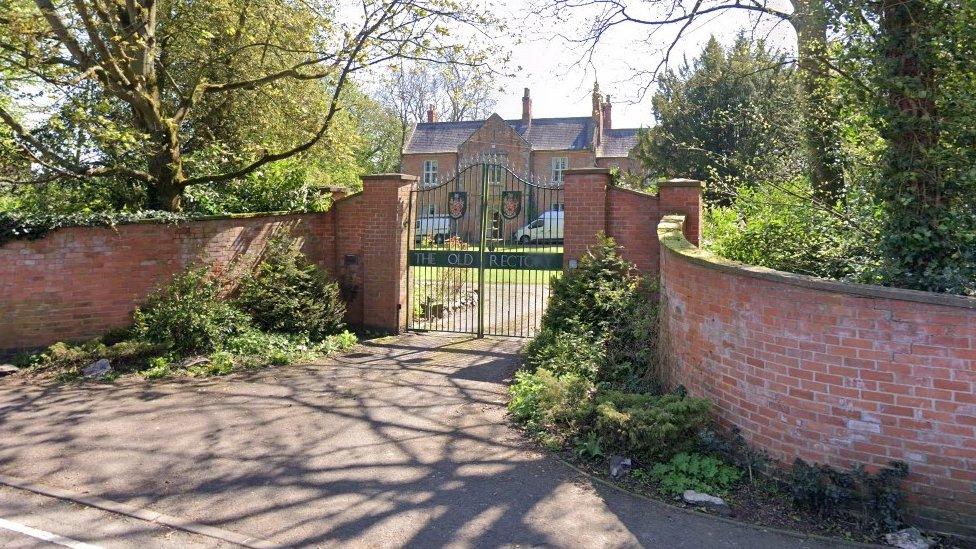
<point>683,196</point>
<point>585,198</point>
<point>386,216</point>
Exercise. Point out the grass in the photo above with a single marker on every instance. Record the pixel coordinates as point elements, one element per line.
<point>529,248</point>
<point>492,276</point>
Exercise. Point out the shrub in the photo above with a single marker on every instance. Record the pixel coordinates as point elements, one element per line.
<point>255,347</point>
<point>587,298</point>
<point>603,317</point>
<point>596,346</point>
<point>565,352</point>
<point>72,358</point>
<point>590,446</point>
<point>189,315</point>
<point>648,426</point>
<point>547,403</point>
<point>775,226</point>
<point>158,367</point>
<point>287,293</point>
<point>695,472</point>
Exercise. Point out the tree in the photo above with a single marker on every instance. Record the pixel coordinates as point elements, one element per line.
<point>729,118</point>
<point>807,17</point>
<point>152,85</point>
<point>912,64</point>
<point>379,131</point>
<point>454,90</point>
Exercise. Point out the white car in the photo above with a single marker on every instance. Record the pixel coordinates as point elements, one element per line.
<point>434,227</point>
<point>548,228</point>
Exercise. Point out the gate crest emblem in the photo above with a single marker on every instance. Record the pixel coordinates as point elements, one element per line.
<point>457,204</point>
<point>511,204</point>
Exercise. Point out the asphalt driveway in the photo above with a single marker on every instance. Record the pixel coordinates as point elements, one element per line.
<point>400,442</point>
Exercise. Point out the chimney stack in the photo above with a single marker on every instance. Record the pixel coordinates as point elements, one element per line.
<point>431,115</point>
<point>607,124</point>
<point>526,107</point>
<point>597,115</point>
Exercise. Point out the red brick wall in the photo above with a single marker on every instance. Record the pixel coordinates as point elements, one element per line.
<point>76,283</point>
<point>630,217</point>
<point>829,372</point>
<point>586,210</point>
<point>633,216</point>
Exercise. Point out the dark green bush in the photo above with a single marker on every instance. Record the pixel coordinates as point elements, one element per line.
<point>589,296</point>
<point>565,352</point>
<point>287,293</point>
<point>601,321</point>
<point>775,226</point>
<point>190,315</point>
<point>648,426</point>
<point>874,498</point>
<point>588,370</point>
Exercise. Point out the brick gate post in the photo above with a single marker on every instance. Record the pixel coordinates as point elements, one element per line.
<point>385,208</point>
<point>683,196</point>
<point>586,210</point>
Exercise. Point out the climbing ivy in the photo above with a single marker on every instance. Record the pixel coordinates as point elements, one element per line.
<point>33,226</point>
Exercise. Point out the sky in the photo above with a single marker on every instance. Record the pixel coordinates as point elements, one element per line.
<point>561,86</point>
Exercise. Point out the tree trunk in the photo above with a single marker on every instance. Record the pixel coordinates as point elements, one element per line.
<point>819,109</point>
<point>912,129</point>
<point>166,167</point>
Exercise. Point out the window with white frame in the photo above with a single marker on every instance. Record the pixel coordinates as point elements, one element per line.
<point>559,165</point>
<point>430,173</point>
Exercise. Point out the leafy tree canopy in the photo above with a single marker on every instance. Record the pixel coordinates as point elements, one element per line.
<point>162,96</point>
<point>729,117</point>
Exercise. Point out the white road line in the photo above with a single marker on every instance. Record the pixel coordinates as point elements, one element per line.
<point>45,536</point>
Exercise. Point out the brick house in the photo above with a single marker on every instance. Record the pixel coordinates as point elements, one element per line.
<point>543,147</point>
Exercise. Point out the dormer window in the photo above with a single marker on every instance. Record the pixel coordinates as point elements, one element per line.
<point>430,173</point>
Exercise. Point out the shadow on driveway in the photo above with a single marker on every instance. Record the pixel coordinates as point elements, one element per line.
<point>400,442</point>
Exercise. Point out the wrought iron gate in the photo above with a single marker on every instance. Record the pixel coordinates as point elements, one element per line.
<point>485,243</point>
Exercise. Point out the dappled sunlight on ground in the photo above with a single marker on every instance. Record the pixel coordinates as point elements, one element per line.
<point>402,441</point>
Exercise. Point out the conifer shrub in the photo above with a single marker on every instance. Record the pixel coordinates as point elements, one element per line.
<point>287,293</point>
<point>649,427</point>
<point>590,373</point>
<point>189,315</point>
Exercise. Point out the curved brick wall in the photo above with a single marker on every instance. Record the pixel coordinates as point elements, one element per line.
<point>830,372</point>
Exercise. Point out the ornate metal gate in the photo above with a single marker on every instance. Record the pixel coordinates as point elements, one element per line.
<point>485,243</point>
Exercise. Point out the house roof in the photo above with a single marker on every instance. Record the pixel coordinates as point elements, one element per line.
<point>553,134</point>
<point>618,142</point>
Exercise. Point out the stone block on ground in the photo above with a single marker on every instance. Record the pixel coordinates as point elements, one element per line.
<point>98,368</point>
<point>909,538</point>
<point>706,501</point>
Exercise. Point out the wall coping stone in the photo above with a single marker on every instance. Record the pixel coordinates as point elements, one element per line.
<point>395,176</point>
<point>586,171</point>
<point>633,191</point>
<point>670,233</point>
<point>679,182</point>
